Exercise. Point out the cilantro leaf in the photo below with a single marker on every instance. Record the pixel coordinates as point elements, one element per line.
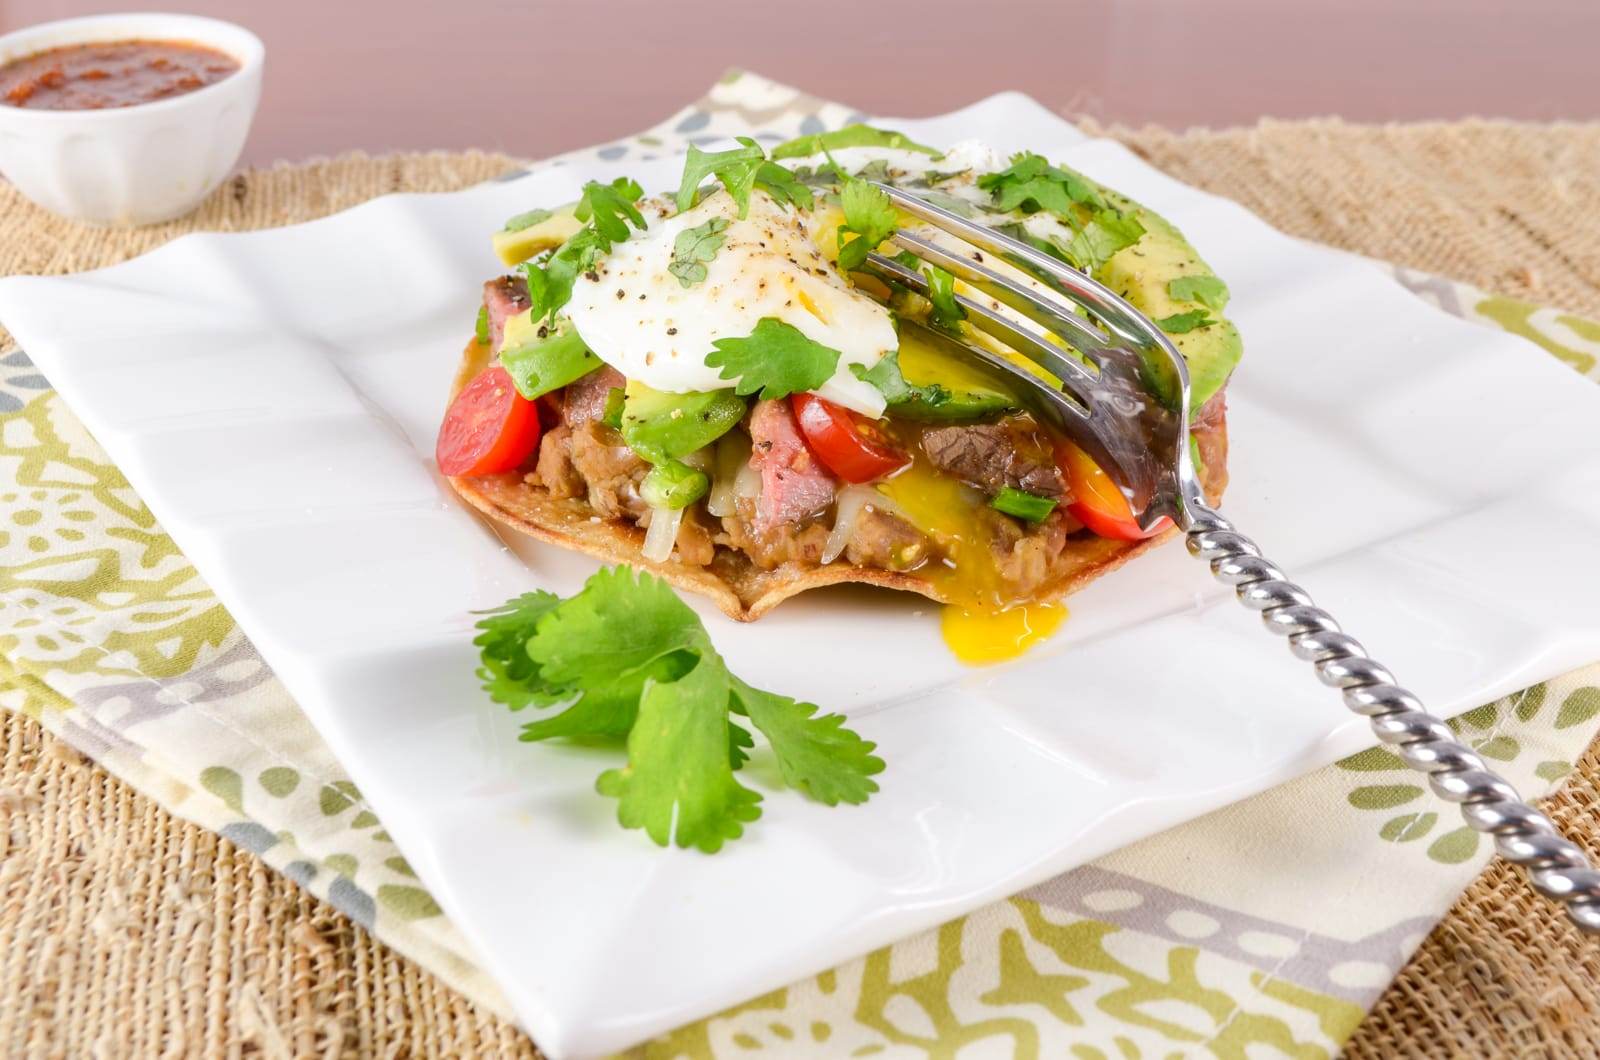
<point>947,313</point>
<point>943,200</point>
<point>528,220</point>
<point>608,208</point>
<point>784,186</point>
<point>1209,291</point>
<point>678,784</point>
<point>891,383</point>
<point>507,673</point>
<point>776,359</point>
<point>1105,234</point>
<point>1031,183</point>
<point>626,657</point>
<point>1181,323</point>
<point>695,248</point>
<point>735,168</point>
<point>850,136</point>
<point>870,216</point>
<point>818,755</point>
<point>482,329</point>
<point>611,206</point>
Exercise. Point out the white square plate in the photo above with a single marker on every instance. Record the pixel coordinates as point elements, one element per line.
<point>273,396</point>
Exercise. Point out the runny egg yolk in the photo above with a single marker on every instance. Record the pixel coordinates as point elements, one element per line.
<point>979,624</point>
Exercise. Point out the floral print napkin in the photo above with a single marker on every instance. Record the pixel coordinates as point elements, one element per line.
<point>1272,924</point>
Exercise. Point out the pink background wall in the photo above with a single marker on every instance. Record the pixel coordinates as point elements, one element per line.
<point>537,76</point>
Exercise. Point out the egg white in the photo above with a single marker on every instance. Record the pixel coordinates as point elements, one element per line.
<point>639,318</point>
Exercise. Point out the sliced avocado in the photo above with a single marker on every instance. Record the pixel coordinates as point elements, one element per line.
<point>850,136</point>
<point>1140,274</point>
<point>524,237</point>
<point>539,363</point>
<point>925,382</point>
<point>660,426</point>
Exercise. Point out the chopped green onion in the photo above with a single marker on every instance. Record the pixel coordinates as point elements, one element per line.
<point>612,416</point>
<point>673,484</point>
<point>1023,505</point>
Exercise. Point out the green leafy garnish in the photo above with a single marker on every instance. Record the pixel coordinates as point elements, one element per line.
<point>628,659</point>
<point>945,201</point>
<point>850,136</point>
<point>739,169</point>
<point>695,248</point>
<point>528,220</point>
<point>484,335</point>
<point>1181,323</point>
<point>735,168</point>
<point>776,359</point>
<point>783,186</point>
<point>1105,234</point>
<point>891,383</point>
<point>1031,183</point>
<point>608,208</point>
<point>1024,505</point>
<point>942,293</point>
<point>611,207</point>
<point>1209,291</point>
<point>869,216</point>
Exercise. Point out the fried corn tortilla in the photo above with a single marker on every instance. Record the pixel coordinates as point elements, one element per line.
<point>743,590</point>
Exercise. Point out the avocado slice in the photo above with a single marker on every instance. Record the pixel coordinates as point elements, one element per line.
<point>538,230</point>
<point>661,426</point>
<point>538,363</point>
<point>926,381</point>
<point>1140,273</point>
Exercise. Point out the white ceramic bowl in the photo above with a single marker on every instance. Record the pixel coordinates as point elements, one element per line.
<point>131,165</point>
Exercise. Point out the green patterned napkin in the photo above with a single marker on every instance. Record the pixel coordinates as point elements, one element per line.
<point>1268,927</point>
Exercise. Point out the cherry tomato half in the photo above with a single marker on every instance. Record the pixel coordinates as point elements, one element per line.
<point>489,428</point>
<point>850,447</point>
<point>1097,502</point>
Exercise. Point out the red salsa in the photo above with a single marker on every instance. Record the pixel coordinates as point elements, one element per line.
<point>111,74</point>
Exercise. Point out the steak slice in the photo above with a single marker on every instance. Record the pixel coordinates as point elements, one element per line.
<point>505,297</point>
<point>584,400</point>
<point>992,456</point>
<point>793,484</point>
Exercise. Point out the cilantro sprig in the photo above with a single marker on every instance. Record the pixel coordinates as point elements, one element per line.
<point>776,358</point>
<point>1183,323</point>
<point>695,248</point>
<point>868,215</point>
<point>608,209</point>
<point>629,660</point>
<point>740,169</point>
<point>1031,184</point>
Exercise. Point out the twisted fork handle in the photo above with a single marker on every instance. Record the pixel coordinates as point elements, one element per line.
<point>1556,866</point>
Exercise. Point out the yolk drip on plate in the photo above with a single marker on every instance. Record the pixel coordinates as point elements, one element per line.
<point>978,625</point>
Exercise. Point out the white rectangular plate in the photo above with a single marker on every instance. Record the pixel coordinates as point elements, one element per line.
<point>273,396</point>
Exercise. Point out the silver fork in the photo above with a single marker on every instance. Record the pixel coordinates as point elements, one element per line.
<point>1105,407</point>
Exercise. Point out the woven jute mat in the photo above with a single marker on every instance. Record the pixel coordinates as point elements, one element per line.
<point>127,932</point>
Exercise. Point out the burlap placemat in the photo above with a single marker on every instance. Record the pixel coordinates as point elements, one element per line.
<point>124,931</point>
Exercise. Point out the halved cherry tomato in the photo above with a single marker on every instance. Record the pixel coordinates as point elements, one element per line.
<point>848,446</point>
<point>1097,502</point>
<point>489,428</point>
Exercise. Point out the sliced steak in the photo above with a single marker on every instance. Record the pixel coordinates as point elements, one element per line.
<point>555,471</point>
<point>793,484</point>
<point>584,400</point>
<point>505,297</point>
<point>611,470</point>
<point>992,456</point>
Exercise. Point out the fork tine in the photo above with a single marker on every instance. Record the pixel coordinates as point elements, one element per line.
<point>1078,380</point>
<point>1083,336</point>
<point>1121,319</point>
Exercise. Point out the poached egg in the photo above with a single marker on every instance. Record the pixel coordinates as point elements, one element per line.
<point>641,319</point>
